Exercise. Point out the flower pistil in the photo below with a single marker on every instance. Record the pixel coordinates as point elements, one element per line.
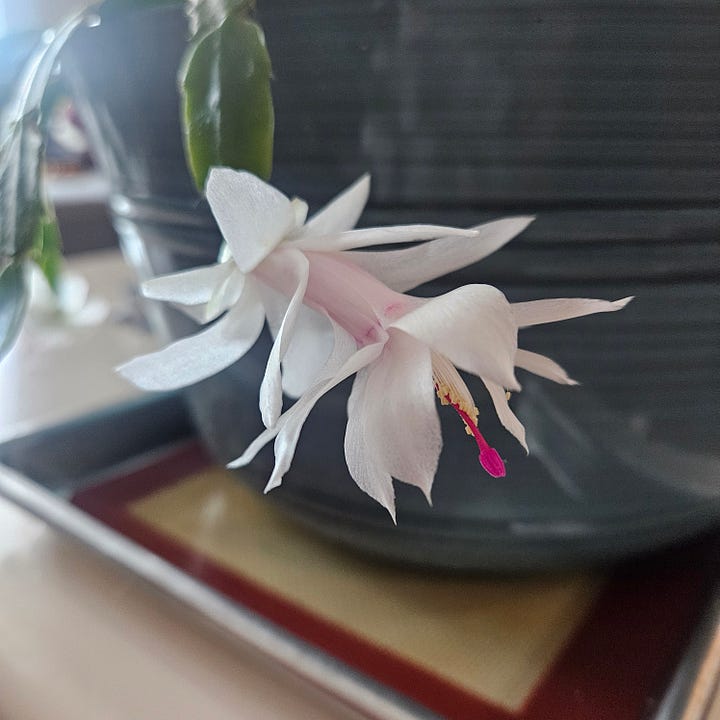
<point>452,390</point>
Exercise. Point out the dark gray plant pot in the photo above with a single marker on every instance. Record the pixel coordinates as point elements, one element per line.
<point>604,121</point>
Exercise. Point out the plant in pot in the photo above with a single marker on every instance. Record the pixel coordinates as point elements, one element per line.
<point>356,89</point>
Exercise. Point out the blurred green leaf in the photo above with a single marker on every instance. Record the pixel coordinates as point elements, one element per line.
<point>22,205</point>
<point>13,303</point>
<point>49,254</point>
<point>227,104</point>
<point>24,215</point>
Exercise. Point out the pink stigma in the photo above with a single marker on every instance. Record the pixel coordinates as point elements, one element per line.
<point>492,462</point>
<point>489,457</point>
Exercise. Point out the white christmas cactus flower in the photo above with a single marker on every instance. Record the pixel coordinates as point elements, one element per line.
<point>335,312</point>
<point>406,351</point>
<point>262,272</point>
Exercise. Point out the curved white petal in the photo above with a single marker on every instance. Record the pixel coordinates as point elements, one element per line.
<point>225,296</point>
<point>542,366</point>
<point>310,345</point>
<point>340,214</point>
<point>253,216</point>
<point>201,355</point>
<point>307,353</point>
<point>300,209</point>
<point>367,237</point>
<point>297,267</point>
<point>276,305</point>
<point>402,427</point>
<point>364,465</point>
<point>344,360</point>
<point>507,417</point>
<point>224,253</point>
<point>473,327</point>
<point>538,312</point>
<point>189,287</point>
<point>288,427</point>
<point>405,269</point>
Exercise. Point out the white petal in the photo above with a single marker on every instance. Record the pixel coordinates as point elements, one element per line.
<point>542,366</point>
<point>537,312</point>
<point>507,417</point>
<point>473,327</point>
<point>340,214</point>
<point>402,427</point>
<point>225,296</point>
<point>344,346</point>
<point>253,216</point>
<point>300,209</point>
<point>289,430</point>
<point>366,237</point>
<point>189,287</point>
<point>275,307</point>
<point>343,362</point>
<point>364,465</point>
<point>224,254</point>
<point>201,355</point>
<point>310,345</point>
<point>309,350</point>
<point>297,268</point>
<point>405,269</point>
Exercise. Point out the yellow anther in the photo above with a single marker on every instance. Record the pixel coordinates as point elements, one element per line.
<point>451,388</point>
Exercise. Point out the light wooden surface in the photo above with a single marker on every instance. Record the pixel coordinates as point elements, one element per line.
<point>80,638</point>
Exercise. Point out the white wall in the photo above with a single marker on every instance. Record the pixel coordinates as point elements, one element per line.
<point>18,15</point>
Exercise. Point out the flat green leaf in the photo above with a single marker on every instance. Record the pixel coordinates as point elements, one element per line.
<point>227,104</point>
<point>13,304</point>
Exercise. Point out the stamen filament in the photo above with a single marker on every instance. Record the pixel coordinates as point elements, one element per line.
<point>469,424</point>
